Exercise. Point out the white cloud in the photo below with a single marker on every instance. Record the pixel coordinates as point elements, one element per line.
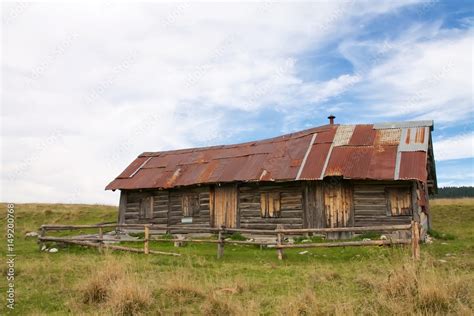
<point>424,74</point>
<point>113,80</point>
<point>456,147</point>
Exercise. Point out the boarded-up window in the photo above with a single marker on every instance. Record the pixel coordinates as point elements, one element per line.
<point>399,201</point>
<point>270,204</point>
<point>223,203</point>
<point>190,204</point>
<point>146,208</point>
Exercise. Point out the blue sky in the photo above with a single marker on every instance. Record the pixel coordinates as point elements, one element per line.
<point>87,86</point>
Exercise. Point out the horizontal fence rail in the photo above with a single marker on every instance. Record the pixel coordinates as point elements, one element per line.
<point>280,232</point>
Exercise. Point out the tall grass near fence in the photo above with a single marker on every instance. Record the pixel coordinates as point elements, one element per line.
<point>247,280</point>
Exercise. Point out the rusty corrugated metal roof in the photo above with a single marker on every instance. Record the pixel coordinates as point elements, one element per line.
<point>392,151</point>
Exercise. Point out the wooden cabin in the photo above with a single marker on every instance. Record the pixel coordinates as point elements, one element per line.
<point>328,176</point>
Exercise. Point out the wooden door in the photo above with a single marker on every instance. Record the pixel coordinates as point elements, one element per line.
<point>314,215</point>
<point>224,206</point>
<point>338,206</point>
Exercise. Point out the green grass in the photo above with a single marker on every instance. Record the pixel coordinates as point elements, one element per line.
<point>237,236</point>
<point>247,280</point>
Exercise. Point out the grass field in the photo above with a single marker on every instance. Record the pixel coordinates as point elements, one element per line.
<point>247,281</point>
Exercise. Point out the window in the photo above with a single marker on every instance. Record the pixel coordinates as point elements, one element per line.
<point>399,201</point>
<point>270,204</point>
<point>146,208</point>
<point>190,204</point>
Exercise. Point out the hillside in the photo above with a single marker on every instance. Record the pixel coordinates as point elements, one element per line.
<point>247,281</point>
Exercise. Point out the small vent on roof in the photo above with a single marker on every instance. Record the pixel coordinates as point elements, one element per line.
<point>331,119</point>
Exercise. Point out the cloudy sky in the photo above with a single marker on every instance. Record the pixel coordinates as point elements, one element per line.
<point>87,86</point>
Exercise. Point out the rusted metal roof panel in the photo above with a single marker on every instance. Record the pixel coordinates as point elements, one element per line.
<point>132,167</point>
<point>351,162</point>
<point>414,139</point>
<point>388,136</point>
<point>363,135</point>
<point>315,162</point>
<point>382,165</point>
<point>326,136</point>
<point>350,151</point>
<point>343,135</point>
<point>413,165</point>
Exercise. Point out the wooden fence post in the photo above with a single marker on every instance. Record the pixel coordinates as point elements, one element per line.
<point>146,248</point>
<point>279,241</point>
<point>101,241</point>
<point>220,244</point>
<point>41,234</point>
<point>415,240</point>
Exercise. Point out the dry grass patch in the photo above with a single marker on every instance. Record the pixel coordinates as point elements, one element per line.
<point>458,201</point>
<point>305,303</point>
<point>128,296</point>
<point>182,288</point>
<point>97,288</point>
<point>424,289</point>
<point>114,289</point>
<point>216,306</point>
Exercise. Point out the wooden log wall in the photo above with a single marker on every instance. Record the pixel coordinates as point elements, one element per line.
<point>200,218</point>
<point>167,206</point>
<point>308,204</point>
<point>291,206</point>
<point>371,206</point>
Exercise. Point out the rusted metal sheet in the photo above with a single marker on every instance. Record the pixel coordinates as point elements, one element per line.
<point>132,167</point>
<point>383,161</point>
<point>350,162</point>
<point>343,135</point>
<point>326,136</point>
<point>398,151</point>
<point>388,136</point>
<point>413,166</point>
<point>317,157</point>
<point>414,139</point>
<point>363,135</point>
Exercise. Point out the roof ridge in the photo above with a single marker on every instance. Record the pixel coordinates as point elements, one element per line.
<point>297,134</point>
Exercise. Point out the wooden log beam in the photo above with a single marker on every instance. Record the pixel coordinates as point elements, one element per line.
<point>41,235</point>
<point>146,246</point>
<point>101,237</point>
<point>279,241</point>
<point>220,245</point>
<point>349,243</point>
<point>347,229</point>
<point>415,240</point>
<point>233,230</point>
<point>112,247</point>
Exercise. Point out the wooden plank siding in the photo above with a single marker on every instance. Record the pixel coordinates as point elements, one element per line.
<point>338,204</point>
<point>298,204</point>
<point>167,206</point>
<point>225,207</point>
<point>371,206</point>
<point>338,207</point>
<point>291,205</point>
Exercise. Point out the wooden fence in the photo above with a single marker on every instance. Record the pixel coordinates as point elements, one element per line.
<point>280,233</point>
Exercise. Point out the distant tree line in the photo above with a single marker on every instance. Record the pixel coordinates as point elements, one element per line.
<point>454,192</point>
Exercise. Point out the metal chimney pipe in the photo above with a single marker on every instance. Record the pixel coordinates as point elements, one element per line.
<point>331,119</point>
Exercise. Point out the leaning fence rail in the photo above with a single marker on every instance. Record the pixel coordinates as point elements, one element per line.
<point>280,233</point>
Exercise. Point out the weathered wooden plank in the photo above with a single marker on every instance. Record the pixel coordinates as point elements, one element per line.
<point>349,243</point>
<point>276,220</point>
<point>122,206</point>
